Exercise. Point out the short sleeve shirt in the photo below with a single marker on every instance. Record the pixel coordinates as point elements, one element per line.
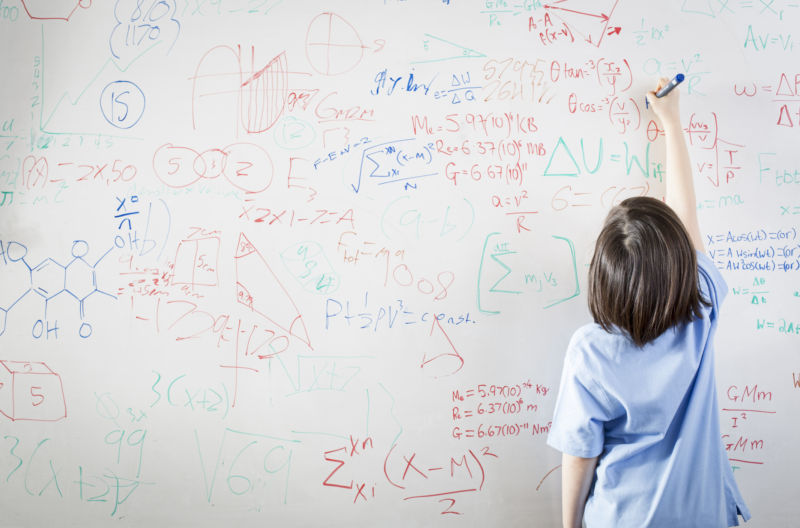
<point>651,415</point>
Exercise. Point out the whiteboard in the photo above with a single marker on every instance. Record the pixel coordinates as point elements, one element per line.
<point>317,263</point>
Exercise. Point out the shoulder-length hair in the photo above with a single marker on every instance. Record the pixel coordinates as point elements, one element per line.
<point>643,275</point>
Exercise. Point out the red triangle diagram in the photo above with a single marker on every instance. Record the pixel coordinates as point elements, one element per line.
<point>444,359</point>
<point>590,19</point>
<point>261,291</point>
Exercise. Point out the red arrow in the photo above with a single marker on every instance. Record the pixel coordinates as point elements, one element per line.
<point>602,16</point>
<point>614,30</point>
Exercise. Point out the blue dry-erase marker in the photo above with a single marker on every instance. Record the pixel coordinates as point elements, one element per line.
<point>670,85</point>
<point>666,89</point>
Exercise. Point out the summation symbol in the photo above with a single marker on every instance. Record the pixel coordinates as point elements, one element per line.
<point>48,279</point>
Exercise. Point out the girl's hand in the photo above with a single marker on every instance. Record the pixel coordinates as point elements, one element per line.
<point>666,108</point>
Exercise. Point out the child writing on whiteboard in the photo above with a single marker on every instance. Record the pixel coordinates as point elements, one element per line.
<point>637,418</point>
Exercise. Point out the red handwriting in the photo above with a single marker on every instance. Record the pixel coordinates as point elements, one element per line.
<point>292,217</point>
<point>510,123</point>
<point>246,166</point>
<point>30,390</point>
<point>747,407</point>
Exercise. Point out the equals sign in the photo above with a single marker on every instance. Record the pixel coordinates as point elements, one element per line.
<point>767,88</point>
<point>467,414</point>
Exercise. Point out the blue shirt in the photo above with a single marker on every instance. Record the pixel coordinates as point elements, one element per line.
<point>651,414</point>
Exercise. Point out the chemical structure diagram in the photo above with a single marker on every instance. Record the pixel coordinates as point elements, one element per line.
<point>48,280</point>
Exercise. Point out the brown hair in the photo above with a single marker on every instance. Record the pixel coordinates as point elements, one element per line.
<point>643,275</point>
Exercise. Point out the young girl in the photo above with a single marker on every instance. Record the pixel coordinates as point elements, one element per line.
<point>637,418</point>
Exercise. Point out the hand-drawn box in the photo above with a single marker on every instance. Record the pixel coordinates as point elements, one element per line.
<point>196,262</point>
<point>31,391</point>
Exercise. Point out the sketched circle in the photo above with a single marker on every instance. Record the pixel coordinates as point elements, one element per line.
<point>174,166</point>
<point>248,167</point>
<point>210,163</point>
<point>80,248</point>
<point>333,46</point>
<point>16,251</point>
<point>292,133</point>
<point>122,104</point>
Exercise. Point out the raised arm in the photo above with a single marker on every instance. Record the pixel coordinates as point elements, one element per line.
<point>680,194</point>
